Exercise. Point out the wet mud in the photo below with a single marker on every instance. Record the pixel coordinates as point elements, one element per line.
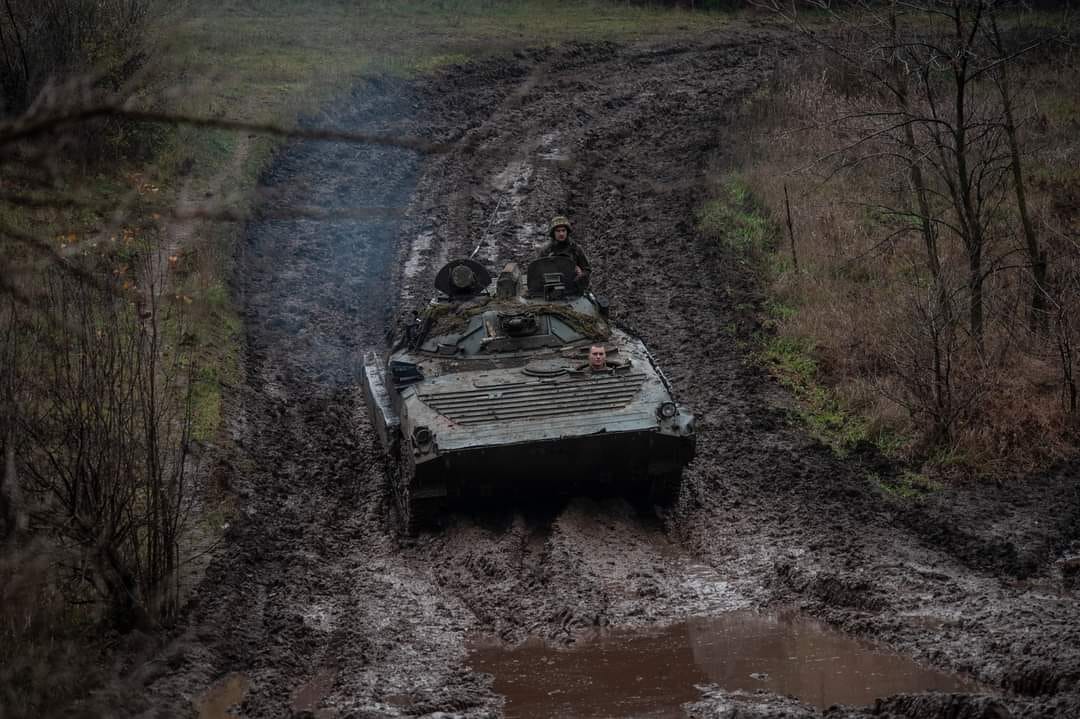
<point>316,607</point>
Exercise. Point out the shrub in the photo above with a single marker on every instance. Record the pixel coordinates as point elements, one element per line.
<point>54,51</point>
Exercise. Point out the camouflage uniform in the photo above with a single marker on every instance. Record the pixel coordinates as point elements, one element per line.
<point>567,249</point>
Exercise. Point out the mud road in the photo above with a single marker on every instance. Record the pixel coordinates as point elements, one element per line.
<point>313,607</point>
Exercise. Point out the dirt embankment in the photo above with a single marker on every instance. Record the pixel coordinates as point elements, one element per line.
<point>314,606</point>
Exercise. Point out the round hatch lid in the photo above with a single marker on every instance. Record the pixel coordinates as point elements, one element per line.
<point>546,368</point>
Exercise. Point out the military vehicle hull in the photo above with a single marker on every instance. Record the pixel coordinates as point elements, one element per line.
<point>469,410</point>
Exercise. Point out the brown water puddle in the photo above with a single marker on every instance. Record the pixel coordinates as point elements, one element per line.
<point>228,692</point>
<point>651,673</point>
<point>307,697</point>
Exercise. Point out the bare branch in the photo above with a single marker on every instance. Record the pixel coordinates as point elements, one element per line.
<point>32,126</point>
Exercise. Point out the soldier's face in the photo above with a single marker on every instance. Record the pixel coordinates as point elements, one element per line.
<point>561,234</point>
<point>597,357</point>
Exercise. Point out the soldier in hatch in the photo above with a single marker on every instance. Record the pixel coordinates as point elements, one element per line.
<point>598,359</point>
<point>561,245</point>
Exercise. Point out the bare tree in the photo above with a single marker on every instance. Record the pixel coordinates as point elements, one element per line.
<point>11,509</point>
<point>1066,332</point>
<point>933,105</point>
<point>1036,256</point>
<point>938,319</point>
<point>41,40</point>
<point>103,436</point>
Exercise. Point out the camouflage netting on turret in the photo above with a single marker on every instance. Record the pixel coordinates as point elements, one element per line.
<point>449,319</point>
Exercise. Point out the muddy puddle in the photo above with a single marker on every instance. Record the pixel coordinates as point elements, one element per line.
<point>218,701</point>
<point>650,673</point>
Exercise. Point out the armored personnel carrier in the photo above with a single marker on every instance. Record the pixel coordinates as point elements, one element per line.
<point>490,392</point>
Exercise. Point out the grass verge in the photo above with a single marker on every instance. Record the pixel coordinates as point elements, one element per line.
<point>742,224</point>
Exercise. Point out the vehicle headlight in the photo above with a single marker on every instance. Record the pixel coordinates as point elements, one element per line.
<point>666,410</point>
<point>422,438</point>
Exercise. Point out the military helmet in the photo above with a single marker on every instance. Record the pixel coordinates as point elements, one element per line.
<point>558,221</point>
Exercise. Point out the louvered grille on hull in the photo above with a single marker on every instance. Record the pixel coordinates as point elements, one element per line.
<point>532,400</point>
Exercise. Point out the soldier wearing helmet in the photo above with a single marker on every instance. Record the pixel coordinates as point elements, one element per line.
<point>560,245</point>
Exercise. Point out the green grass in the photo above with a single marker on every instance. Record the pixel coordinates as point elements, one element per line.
<point>206,404</point>
<point>735,219</point>
<point>218,333</point>
<point>270,60</point>
<point>793,362</point>
<point>908,486</point>
<point>737,222</point>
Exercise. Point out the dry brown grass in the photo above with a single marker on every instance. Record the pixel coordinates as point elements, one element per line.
<point>862,292</point>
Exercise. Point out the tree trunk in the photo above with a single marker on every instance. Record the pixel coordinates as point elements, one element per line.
<point>972,222</point>
<point>791,231</point>
<point>1065,349</point>
<point>20,46</point>
<point>975,287</point>
<point>1038,320</point>
<point>941,315</point>
<point>14,517</point>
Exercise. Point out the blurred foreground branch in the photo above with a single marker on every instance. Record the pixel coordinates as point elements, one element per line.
<point>33,125</point>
